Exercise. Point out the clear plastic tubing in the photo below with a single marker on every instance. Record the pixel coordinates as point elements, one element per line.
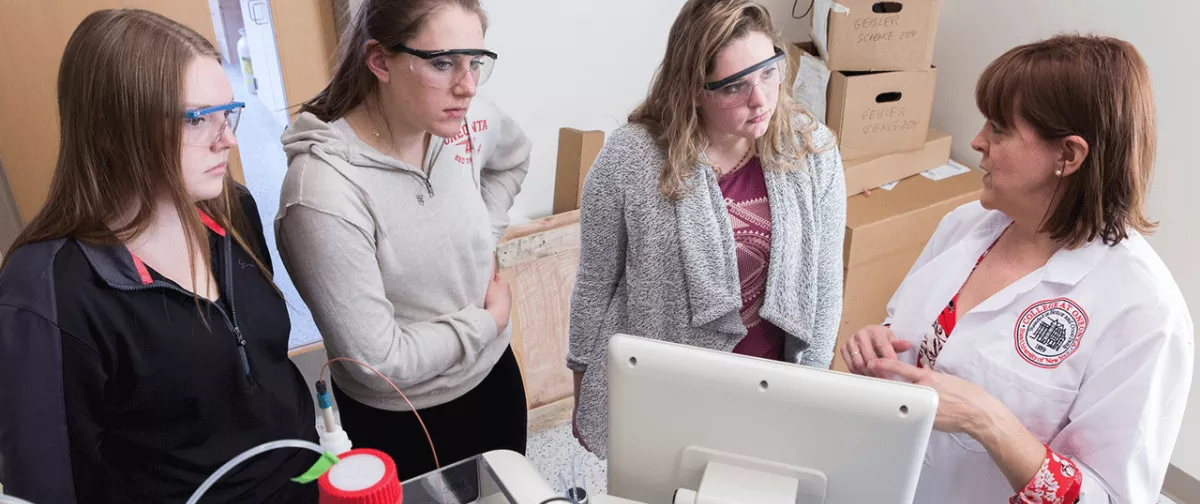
<point>246,455</point>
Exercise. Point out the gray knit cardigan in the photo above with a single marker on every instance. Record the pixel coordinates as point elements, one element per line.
<point>668,270</point>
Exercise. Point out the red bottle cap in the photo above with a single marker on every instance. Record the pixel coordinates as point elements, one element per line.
<point>362,476</point>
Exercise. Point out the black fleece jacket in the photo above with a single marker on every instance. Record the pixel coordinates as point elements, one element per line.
<point>114,388</point>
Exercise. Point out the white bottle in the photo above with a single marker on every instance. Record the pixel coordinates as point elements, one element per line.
<point>243,49</point>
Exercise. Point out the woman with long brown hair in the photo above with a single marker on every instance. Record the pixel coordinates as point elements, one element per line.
<point>398,187</point>
<point>143,343</point>
<point>716,217</point>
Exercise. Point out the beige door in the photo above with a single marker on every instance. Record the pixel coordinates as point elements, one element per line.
<point>33,34</point>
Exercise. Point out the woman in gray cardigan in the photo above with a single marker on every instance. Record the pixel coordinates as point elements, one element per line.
<point>716,217</point>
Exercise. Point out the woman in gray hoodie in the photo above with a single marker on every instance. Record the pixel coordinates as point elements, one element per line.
<point>398,187</point>
<point>714,218</point>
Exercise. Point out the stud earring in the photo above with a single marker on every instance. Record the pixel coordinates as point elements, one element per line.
<point>1058,172</point>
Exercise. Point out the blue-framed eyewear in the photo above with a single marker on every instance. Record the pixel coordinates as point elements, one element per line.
<point>204,127</point>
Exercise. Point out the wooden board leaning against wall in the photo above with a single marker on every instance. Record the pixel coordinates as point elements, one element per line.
<point>539,259</point>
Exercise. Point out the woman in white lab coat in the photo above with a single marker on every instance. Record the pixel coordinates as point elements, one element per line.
<point>1059,344</point>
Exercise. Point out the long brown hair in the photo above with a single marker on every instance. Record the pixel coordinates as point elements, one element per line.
<point>1099,89</point>
<point>390,22</point>
<point>701,31</point>
<point>120,104</point>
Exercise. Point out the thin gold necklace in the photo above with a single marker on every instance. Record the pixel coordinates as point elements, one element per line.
<point>378,137</point>
<point>375,133</point>
<point>745,157</point>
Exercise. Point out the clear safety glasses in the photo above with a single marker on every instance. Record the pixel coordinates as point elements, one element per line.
<point>734,91</point>
<point>445,69</point>
<point>204,127</point>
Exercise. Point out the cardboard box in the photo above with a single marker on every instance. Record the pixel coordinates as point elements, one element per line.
<point>869,35</point>
<point>880,113</point>
<point>872,172</point>
<point>868,288</point>
<point>885,233</point>
<point>872,114</point>
<point>577,150</point>
<point>887,221</point>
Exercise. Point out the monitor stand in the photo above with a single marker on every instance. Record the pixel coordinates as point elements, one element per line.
<point>731,478</point>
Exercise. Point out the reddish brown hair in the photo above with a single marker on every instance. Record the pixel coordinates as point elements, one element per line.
<point>1097,88</point>
<point>120,104</point>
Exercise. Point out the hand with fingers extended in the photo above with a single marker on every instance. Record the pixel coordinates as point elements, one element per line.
<point>967,408</point>
<point>869,344</point>
<point>962,406</point>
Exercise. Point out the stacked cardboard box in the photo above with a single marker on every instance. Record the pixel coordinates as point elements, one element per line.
<point>885,232</point>
<point>878,59</point>
<point>869,75</point>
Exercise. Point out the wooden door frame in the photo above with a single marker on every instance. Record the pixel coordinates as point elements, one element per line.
<point>33,34</point>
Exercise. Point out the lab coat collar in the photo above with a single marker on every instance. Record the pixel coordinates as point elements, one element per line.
<point>1065,267</point>
<point>1068,267</point>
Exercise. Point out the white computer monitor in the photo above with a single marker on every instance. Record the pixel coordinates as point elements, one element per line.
<point>749,429</point>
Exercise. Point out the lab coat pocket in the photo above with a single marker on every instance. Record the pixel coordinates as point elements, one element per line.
<point>1041,407</point>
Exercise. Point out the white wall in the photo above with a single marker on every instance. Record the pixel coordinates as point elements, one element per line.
<point>973,33</point>
<point>583,65</point>
<point>214,8</point>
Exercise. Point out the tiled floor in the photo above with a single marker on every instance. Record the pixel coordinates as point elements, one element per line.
<point>265,164</point>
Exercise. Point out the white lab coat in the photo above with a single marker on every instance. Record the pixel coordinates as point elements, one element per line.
<point>1112,341</point>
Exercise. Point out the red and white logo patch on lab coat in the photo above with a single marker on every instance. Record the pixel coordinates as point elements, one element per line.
<point>1050,331</point>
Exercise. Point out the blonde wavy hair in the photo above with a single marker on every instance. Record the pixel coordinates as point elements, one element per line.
<point>701,31</point>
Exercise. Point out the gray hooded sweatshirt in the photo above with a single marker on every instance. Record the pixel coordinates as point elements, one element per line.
<point>394,260</point>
